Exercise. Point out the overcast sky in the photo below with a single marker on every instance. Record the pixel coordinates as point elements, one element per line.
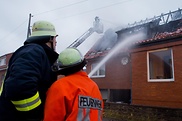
<point>72,18</point>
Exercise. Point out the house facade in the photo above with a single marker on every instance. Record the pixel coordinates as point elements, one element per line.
<point>3,65</point>
<point>158,83</point>
<point>149,72</point>
<point>114,88</point>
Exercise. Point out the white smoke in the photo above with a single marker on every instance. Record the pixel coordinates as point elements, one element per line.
<point>127,42</point>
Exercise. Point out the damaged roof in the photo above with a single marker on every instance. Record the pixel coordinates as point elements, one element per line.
<point>160,28</point>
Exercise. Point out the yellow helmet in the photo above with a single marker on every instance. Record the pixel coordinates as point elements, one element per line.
<point>43,28</point>
<point>70,56</point>
<point>70,60</point>
<point>42,32</point>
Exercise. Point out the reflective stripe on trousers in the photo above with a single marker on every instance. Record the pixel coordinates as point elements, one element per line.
<point>83,114</point>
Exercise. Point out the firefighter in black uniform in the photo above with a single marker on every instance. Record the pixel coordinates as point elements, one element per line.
<point>29,75</point>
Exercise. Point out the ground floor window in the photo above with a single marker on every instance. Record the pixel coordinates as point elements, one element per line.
<point>99,72</point>
<point>120,95</point>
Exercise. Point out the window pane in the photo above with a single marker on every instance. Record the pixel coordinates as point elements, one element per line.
<point>2,61</point>
<point>102,70</point>
<point>160,64</point>
<point>95,74</point>
<point>93,66</point>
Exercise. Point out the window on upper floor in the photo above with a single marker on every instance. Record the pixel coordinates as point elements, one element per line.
<point>100,72</point>
<point>2,61</point>
<point>160,65</point>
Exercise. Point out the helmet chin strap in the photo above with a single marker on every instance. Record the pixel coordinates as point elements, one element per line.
<point>52,46</point>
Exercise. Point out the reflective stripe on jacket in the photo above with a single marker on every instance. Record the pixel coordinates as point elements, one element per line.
<point>74,98</point>
<point>27,104</point>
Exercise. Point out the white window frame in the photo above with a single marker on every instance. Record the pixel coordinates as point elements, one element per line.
<point>148,69</point>
<point>3,61</point>
<point>97,72</point>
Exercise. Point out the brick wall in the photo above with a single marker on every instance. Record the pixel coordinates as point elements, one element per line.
<point>3,68</point>
<point>161,94</point>
<point>117,76</point>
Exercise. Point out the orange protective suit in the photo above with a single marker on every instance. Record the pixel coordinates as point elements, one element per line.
<point>74,98</point>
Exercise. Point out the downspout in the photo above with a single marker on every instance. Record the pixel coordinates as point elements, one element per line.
<point>130,68</point>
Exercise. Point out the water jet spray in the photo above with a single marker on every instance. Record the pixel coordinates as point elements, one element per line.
<point>127,42</point>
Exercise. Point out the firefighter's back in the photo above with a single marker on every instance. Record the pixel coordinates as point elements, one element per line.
<point>87,100</point>
<point>74,98</point>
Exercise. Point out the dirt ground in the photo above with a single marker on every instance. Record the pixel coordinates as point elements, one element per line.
<point>126,112</point>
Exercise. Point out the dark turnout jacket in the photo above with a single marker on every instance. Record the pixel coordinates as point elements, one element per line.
<point>27,79</point>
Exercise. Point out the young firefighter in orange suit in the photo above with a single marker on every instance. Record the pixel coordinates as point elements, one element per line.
<point>74,97</point>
